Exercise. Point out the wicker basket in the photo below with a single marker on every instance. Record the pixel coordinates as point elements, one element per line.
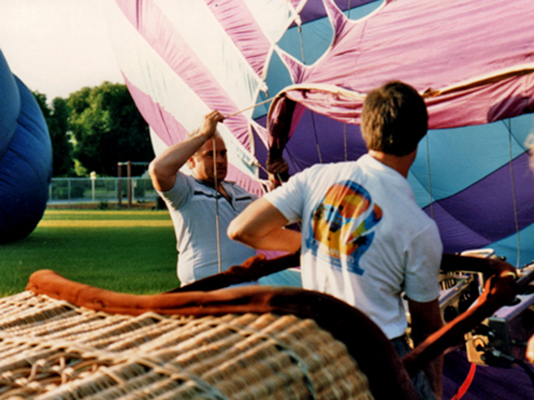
<point>65,340</point>
<point>52,349</point>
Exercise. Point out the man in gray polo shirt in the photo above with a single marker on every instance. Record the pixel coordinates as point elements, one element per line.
<point>191,201</point>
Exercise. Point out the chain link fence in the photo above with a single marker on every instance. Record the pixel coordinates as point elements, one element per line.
<point>101,192</point>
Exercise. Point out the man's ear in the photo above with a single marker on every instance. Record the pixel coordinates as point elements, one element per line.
<point>191,163</point>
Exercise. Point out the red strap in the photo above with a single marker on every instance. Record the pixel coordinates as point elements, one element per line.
<point>465,386</point>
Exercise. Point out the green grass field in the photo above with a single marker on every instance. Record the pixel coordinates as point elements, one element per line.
<point>121,250</point>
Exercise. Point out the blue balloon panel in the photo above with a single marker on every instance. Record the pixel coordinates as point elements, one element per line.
<point>25,159</point>
<point>460,157</point>
<point>9,105</point>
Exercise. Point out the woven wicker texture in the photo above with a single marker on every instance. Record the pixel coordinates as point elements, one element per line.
<point>51,349</point>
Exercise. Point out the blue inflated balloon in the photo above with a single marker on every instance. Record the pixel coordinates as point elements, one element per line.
<point>25,158</point>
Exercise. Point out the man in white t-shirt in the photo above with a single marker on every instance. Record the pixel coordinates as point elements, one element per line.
<point>364,239</point>
<point>194,203</point>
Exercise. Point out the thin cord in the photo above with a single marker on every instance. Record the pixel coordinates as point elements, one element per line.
<point>526,368</point>
<point>301,44</point>
<point>429,177</point>
<point>219,262</point>
<point>249,107</point>
<point>514,199</point>
<point>316,139</point>
<point>345,138</point>
<point>291,159</point>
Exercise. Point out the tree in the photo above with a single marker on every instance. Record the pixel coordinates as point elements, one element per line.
<point>60,135</point>
<point>107,128</point>
<point>57,121</point>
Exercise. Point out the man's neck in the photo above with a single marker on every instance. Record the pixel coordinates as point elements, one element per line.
<point>211,184</point>
<point>401,164</point>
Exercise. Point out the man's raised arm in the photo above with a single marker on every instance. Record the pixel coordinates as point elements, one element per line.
<point>164,167</point>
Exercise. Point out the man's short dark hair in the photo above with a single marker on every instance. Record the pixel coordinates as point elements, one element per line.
<point>394,119</point>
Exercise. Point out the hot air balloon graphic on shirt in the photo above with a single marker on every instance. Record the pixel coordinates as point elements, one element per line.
<point>343,225</point>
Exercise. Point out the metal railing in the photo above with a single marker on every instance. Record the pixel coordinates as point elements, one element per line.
<point>101,191</point>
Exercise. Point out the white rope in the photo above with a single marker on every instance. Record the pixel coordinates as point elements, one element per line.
<point>249,107</point>
<point>219,262</point>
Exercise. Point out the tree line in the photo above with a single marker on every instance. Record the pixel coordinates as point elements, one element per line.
<point>94,129</point>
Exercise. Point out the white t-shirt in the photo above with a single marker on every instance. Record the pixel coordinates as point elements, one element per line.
<point>364,238</point>
<point>191,204</point>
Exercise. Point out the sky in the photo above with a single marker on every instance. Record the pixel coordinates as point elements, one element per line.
<point>56,47</point>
